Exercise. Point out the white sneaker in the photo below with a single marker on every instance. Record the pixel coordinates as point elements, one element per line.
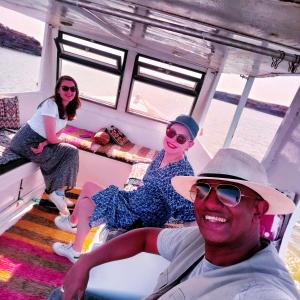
<point>63,223</point>
<point>69,202</point>
<point>66,250</point>
<point>60,203</point>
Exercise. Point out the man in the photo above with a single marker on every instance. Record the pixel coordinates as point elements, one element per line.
<point>224,256</point>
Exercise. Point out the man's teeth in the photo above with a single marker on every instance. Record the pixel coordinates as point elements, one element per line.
<point>214,219</point>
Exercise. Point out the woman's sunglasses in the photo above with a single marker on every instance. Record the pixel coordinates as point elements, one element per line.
<point>228,194</point>
<point>180,138</point>
<point>66,88</point>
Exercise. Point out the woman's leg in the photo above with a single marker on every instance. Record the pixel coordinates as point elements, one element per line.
<point>85,210</point>
<point>88,190</point>
<point>82,213</point>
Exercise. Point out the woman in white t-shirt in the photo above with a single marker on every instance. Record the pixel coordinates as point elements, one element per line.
<point>38,140</point>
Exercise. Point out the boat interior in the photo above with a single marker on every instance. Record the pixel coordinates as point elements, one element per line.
<point>138,65</point>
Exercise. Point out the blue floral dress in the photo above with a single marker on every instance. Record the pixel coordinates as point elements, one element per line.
<point>151,204</point>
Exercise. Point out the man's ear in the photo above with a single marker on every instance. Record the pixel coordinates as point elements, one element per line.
<point>261,207</point>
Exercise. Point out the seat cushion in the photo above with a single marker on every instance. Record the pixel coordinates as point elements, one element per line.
<point>84,140</point>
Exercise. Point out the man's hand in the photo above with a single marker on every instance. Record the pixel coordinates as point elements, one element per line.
<point>75,281</point>
<point>39,149</point>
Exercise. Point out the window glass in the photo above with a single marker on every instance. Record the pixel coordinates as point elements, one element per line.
<point>87,55</point>
<point>158,103</point>
<point>258,126</point>
<point>221,112</point>
<point>162,90</point>
<point>167,78</point>
<point>93,45</point>
<point>97,85</point>
<point>20,51</point>
<point>265,109</point>
<point>170,67</point>
<point>98,68</point>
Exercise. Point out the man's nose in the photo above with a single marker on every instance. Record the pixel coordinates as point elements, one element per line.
<point>212,199</point>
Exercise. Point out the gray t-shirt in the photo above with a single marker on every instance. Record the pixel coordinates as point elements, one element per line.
<point>168,243</point>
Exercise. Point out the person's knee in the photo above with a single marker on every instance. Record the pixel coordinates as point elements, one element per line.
<point>87,186</point>
<point>89,189</point>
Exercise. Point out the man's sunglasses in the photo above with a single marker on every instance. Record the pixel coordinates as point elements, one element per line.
<point>228,194</point>
<point>180,138</point>
<point>66,88</point>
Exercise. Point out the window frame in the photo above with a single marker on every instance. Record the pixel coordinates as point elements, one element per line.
<point>91,63</point>
<point>164,84</point>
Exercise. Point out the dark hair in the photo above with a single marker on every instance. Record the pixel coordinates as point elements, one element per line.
<point>70,109</point>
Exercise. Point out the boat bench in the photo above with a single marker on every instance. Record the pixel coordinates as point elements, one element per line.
<point>84,140</point>
<point>8,159</point>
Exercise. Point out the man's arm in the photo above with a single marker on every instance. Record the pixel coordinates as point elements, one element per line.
<point>123,246</point>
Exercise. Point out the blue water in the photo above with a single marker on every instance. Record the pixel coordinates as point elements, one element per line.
<point>255,132</point>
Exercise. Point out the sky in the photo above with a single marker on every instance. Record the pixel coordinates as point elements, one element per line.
<point>280,90</point>
<point>22,23</point>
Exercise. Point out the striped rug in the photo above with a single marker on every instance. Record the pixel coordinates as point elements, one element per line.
<point>28,267</point>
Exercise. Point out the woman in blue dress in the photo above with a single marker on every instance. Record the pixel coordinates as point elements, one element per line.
<point>151,204</point>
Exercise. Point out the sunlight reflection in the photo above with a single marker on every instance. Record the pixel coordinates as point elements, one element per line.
<point>7,269</point>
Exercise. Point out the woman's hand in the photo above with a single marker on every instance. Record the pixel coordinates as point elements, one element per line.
<point>39,149</point>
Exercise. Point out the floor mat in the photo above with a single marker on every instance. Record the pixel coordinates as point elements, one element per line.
<point>28,267</point>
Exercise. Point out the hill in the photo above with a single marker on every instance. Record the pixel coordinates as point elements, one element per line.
<point>270,108</point>
<point>19,41</point>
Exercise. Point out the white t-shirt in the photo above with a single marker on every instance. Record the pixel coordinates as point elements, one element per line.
<point>48,108</point>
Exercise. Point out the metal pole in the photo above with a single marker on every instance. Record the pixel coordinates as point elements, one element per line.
<point>238,111</point>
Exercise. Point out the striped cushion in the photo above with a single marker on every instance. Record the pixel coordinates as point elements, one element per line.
<point>83,139</point>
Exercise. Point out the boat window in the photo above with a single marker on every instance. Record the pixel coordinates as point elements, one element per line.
<point>163,90</point>
<point>261,117</point>
<point>20,51</point>
<point>221,111</point>
<point>265,109</point>
<point>85,59</point>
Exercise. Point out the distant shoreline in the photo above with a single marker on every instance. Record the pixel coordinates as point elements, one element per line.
<point>19,41</point>
<point>269,108</point>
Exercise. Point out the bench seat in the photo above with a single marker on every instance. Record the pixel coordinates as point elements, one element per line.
<point>8,159</point>
<point>130,153</point>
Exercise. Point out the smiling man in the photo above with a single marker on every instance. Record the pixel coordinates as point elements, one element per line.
<point>224,256</point>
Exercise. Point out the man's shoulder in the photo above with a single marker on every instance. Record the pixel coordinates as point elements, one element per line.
<point>184,232</point>
<point>180,238</point>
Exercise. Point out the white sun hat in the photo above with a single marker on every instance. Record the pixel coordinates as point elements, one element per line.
<point>238,167</point>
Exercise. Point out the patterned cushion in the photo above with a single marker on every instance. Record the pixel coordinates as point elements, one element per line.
<point>83,139</point>
<point>117,135</point>
<point>9,113</point>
